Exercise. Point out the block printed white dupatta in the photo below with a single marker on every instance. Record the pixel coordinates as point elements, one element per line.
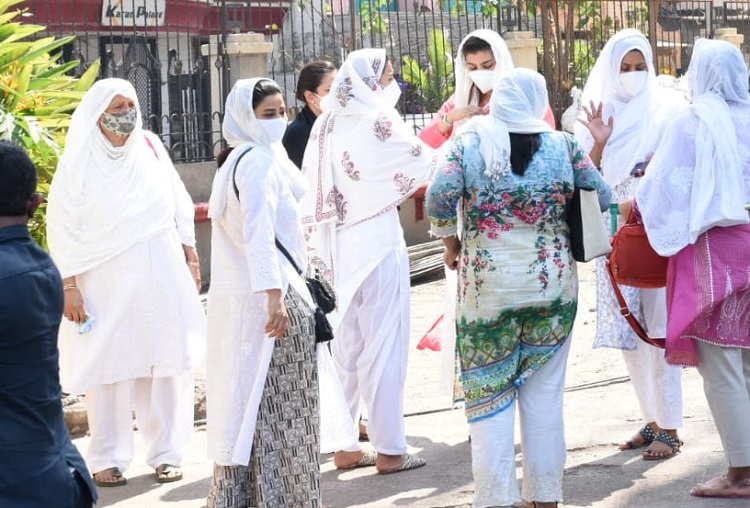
<point>362,159</point>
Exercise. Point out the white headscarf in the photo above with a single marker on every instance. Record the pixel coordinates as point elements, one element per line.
<point>103,198</point>
<point>243,131</point>
<point>632,138</point>
<point>680,203</point>
<point>518,105</point>
<point>362,159</point>
<point>359,121</point>
<point>503,63</point>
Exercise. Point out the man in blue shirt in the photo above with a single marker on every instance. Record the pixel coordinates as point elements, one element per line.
<point>39,465</point>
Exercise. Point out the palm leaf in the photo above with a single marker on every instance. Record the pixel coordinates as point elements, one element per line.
<point>88,77</point>
<point>45,46</point>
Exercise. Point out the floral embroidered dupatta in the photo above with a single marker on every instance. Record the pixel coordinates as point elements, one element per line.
<point>362,159</point>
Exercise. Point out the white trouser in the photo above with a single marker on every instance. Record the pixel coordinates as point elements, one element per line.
<point>657,385</point>
<point>164,409</point>
<point>540,406</point>
<point>370,351</point>
<point>726,382</point>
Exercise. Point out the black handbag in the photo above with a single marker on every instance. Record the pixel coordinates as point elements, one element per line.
<point>323,296</point>
<point>322,292</point>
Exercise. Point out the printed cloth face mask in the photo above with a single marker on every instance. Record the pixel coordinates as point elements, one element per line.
<point>121,124</point>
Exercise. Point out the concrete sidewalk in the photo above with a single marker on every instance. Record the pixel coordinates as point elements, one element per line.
<point>600,410</point>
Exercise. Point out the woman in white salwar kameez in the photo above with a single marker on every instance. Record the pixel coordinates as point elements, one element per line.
<point>627,116</point>
<point>261,375</point>
<point>120,228</point>
<point>361,163</point>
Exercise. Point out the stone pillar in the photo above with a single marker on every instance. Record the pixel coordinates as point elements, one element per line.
<point>729,35</point>
<point>523,49</point>
<point>247,56</point>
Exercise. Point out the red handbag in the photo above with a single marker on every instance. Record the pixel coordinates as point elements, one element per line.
<point>633,261</point>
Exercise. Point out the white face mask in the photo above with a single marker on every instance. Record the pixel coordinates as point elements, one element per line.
<point>484,79</point>
<point>391,93</point>
<point>274,128</point>
<point>631,83</point>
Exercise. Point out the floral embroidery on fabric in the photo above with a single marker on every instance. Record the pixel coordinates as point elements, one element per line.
<point>348,165</point>
<point>337,198</point>
<point>382,128</point>
<point>416,150</point>
<point>499,168</point>
<point>344,92</point>
<point>403,183</point>
<point>375,66</point>
<point>372,83</point>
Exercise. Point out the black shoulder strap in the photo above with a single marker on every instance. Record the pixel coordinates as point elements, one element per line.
<point>286,253</point>
<point>234,172</point>
<point>237,193</point>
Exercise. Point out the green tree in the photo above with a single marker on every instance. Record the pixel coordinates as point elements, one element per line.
<point>435,82</point>
<point>37,96</point>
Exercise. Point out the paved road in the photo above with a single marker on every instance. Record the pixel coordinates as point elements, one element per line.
<point>600,410</point>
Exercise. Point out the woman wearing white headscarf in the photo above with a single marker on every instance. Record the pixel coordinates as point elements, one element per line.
<point>361,163</point>
<point>261,377</point>
<point>120,228</point>
<point>482,58</point>
<point>626,113</point>
<point>512,177</point>
<point>692,201</point>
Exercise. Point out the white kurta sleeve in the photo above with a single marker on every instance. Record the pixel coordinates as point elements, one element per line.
<point>184,210</point>
<point>184,207</point>
<point>259,188</point>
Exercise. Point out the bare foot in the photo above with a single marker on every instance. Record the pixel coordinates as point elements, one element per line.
<point>723,487</point>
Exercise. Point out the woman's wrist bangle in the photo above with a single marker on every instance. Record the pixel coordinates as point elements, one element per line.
<point>193,263</point>
<point>69,286</point>
<point>446,121</point>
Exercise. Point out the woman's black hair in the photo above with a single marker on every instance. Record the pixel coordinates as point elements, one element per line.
<point>262,89</point>
<point>223,156</point>
<point>522,149</point>
<point>310,77</point>
<point>475,45</point>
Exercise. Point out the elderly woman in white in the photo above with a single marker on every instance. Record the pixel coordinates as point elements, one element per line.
<point>120,228</point>
<point>261,376</point>
<point>625,116</point>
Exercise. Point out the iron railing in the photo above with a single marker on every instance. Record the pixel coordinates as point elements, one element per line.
<point>168,48</point>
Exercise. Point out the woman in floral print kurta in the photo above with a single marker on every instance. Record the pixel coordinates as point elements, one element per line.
<point>518,285</point>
